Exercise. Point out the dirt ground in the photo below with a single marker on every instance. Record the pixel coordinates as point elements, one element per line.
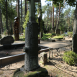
<point>9,52</point>
<point>55,65</point>
<point>14,51</point>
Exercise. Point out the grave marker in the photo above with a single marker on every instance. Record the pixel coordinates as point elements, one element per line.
<point>31,41</point>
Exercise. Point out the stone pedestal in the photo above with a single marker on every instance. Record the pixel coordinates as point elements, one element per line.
<point>40,72</point>
<point>31,46</point>
<point>74,47</point>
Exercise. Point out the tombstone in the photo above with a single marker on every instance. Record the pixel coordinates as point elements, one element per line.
<point>58,31</point>
<point>8,40</point>
<point>16,28</point>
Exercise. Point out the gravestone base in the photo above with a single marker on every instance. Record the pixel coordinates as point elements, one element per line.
<point>7,46</point>
<point>40,72</point>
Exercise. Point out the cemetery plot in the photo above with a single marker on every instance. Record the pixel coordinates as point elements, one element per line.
<point>54,66</point>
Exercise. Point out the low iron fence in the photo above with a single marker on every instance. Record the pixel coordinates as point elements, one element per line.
<point>58,51</point>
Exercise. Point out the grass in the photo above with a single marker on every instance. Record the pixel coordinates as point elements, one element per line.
<point>46,36</point>
<point>70,34</point>
<point>70,57</point>
<point>57,37</point>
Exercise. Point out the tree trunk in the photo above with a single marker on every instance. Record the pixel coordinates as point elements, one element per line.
<point>57,26</point>
<point>25,7</point>
<point>74,39</point>
<point>53,20</point>
<point>7,19</point>
<point>21,18</point>
<point>0,21</point>
<point>58,18</point>
<point>18,15</point>
<point>41,32</point>
<point>50,19</point>
<point>11,30</point>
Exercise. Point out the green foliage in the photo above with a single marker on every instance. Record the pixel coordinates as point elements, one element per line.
<point>53,34</point>
<point>46,36</point>
<point>41,25</point>
<point>70,57</point>
<point>5,32</point>
<point>70,2</point>
<point>70,34</point>
<point>64,35</point>
<point>26,21</point>
<point>56,37</point>
<point>22,37</point>
<point>10,11</point>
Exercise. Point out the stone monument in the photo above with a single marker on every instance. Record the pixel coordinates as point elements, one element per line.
<point>31,48</point>
<point>31,41</point>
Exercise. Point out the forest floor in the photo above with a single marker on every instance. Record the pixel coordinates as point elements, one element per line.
<point>55,65</point>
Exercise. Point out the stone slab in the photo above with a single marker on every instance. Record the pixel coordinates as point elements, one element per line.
<point>7,40</point>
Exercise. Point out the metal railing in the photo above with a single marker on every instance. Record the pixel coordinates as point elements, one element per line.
<point>58,50</point>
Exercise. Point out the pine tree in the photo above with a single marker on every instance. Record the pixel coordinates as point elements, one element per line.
<point>26,21</point>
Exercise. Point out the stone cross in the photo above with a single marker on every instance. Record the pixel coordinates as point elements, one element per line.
<point>31,40</point>
<point>32,10</point>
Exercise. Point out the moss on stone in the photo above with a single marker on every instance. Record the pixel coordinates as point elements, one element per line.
<point>41,72</point>
<point>31,74</point>
<point>19,74</point>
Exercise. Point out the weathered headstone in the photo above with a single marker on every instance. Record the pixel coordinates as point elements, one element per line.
<point>8,40</point>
